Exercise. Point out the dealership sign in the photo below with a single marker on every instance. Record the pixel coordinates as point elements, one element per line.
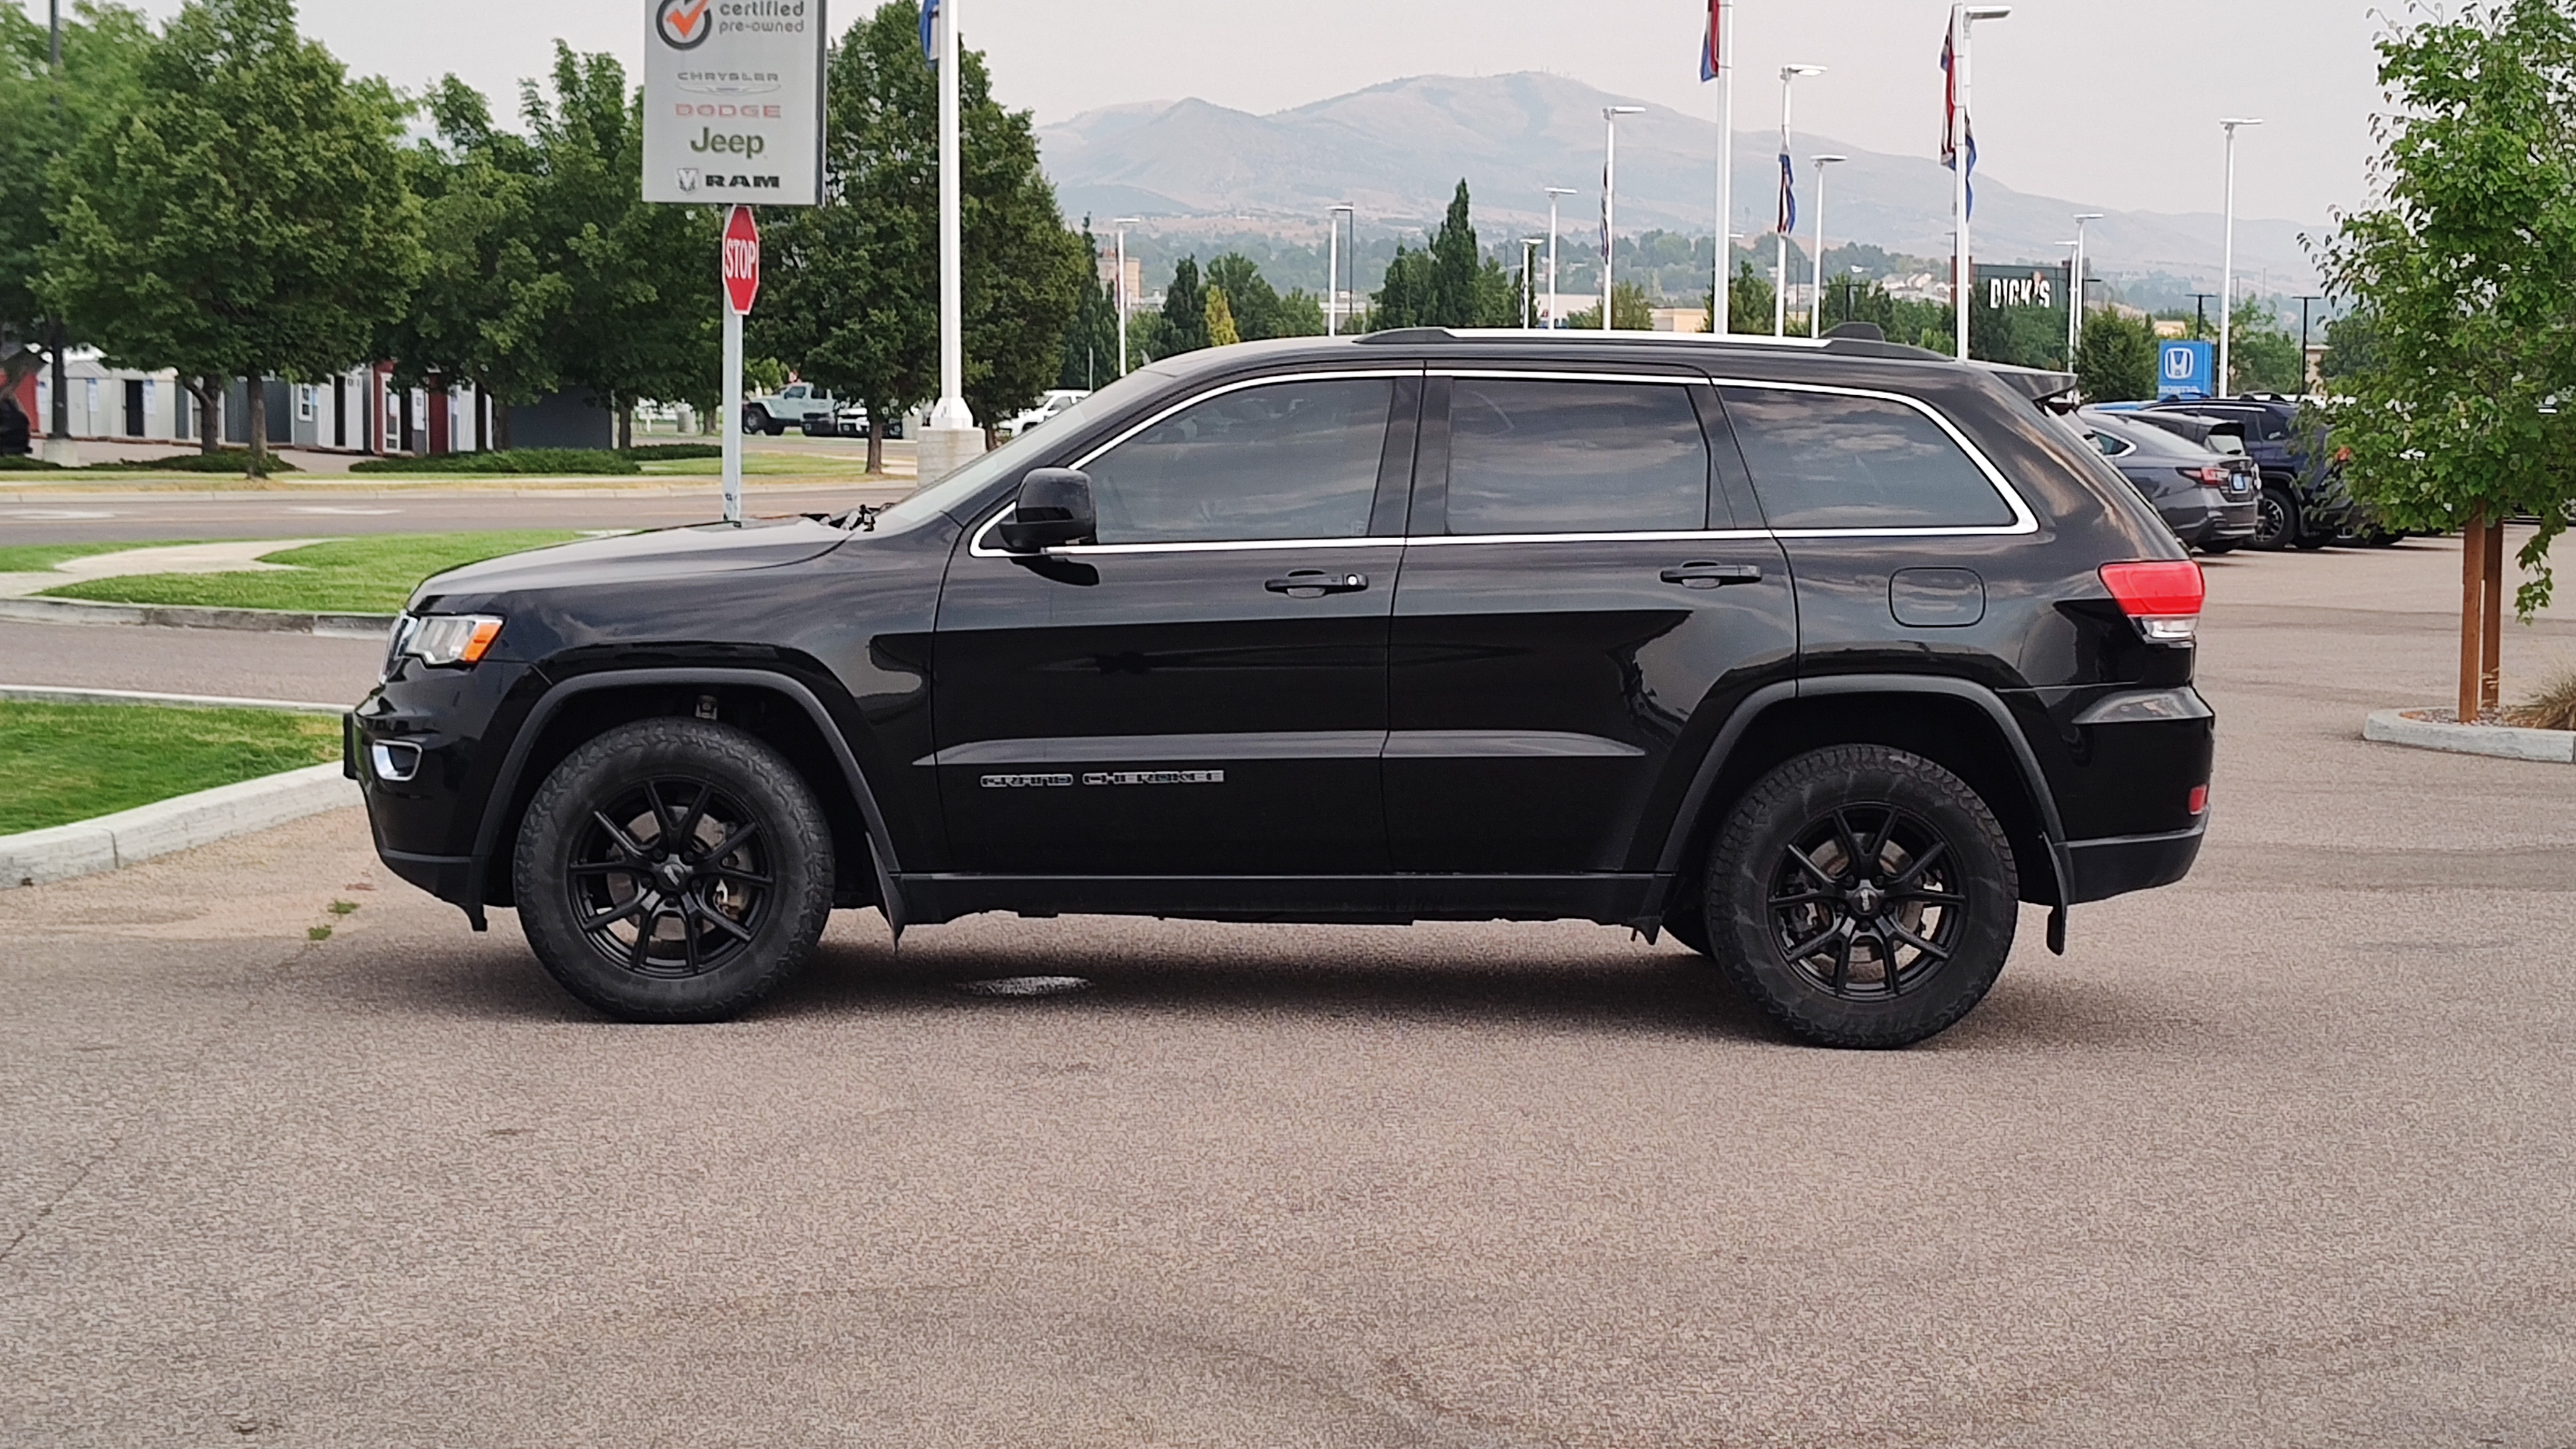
<point>733,101</point>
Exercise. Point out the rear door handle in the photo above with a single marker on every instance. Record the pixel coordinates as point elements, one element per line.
<point>1316,583</point>
<point>1702,574</point>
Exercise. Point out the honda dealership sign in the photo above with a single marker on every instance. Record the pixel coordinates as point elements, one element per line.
<point>733,101</point>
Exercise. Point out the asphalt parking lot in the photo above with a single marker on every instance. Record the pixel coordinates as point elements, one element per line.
<point>2277,1156</point>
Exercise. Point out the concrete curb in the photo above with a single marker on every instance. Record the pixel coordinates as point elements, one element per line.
<point>109,842</point>
<point>65,694</point>
<point>2510,742</point>
<point>191,616</point>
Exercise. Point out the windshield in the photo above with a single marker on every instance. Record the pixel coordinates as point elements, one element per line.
<point>955,490</point>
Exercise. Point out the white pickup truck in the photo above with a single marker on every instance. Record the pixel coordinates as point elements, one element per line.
<point>789,408</point>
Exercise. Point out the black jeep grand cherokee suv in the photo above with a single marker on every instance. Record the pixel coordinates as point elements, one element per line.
<point>1822,656</point>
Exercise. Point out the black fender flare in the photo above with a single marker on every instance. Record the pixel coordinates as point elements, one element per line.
<point>1771,696</point>
<point>514,761</point>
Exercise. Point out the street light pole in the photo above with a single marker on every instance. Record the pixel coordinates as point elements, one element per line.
<point>1553,193</point>
<point>1816,303</point>
<point>1333,265</point>
<point>1122,223</point>
<point>2227,265</point>
<point>1610,198</point>
<point>58,416</point>
<point>2304,300</point>
<point>951,436</point>
<point>2075,289</point>
<point>1963,279</point>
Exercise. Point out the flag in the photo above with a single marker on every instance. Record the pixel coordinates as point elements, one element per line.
<point>1953,123</point>
<point>1788,196</point>
<point>1710,61</point>
<point>930,31</point>
<point>1605,212</point>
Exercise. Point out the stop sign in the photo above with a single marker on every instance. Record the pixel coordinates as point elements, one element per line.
<point>741,260</point>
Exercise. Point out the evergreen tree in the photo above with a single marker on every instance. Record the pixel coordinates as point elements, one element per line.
<point>1184,311</point>
<point>1220,320</point>
<point>1091,339</point>
<point>246,218</point>
<point>1748,302</point>
<point>1453,299</point>
<point>1251,299</point>
<point>1405,298</point>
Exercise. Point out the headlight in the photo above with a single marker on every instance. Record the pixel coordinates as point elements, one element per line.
<point>440,639</point>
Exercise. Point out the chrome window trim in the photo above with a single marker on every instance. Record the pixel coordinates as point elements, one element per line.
<point>2024,521</point>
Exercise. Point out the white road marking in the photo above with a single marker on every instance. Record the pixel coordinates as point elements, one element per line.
<point>64,513</point>
<point>331,508</point>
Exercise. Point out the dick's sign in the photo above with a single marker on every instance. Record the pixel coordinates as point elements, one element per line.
<point>733,101</point>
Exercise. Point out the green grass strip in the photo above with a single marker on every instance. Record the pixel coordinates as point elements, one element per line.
<point>28,558</point>
<point>65,762</point>
<point>371,575</point>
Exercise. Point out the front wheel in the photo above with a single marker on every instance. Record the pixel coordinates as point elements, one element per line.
<point>673,870</point>
<point>2276,520</point>
<point>1862,896</point>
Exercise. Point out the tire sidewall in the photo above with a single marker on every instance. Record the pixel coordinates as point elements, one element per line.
<point>1770,816</point>
<point>798,859</point>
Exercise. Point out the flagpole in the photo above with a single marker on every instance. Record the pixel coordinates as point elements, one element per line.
<point>1963,19</point>
<point>951,437</point>
<point>1721,299</point>
<point>1784,221</point>
<point>1610,198</point>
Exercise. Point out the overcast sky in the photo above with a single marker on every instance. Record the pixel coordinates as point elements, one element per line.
<point>2109,101</point>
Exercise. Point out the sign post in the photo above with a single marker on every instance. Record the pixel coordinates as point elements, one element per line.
<point>733,114</point>
<point>742,288</point>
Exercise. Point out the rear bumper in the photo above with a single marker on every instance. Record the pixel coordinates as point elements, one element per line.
<point>2119,864</point>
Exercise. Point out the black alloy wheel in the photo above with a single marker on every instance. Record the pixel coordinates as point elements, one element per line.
<point>2276,520</point>
<point>755,419</point>
<point>1863,896</point>
<point>670,879</point>
<point>673,870</point>
<point>1864,904</point>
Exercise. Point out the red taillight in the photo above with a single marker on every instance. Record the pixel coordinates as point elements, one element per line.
<point>2163,597</point>
<point>2214,477</point>
<point>2199,798</point>
<point>2161,587</point>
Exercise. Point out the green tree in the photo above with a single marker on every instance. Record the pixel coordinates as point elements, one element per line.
<point>1091,338</point>
<point>1220,320</point>
<point>2116,360</point>
<point>1748,302</point>
<point>2264,354</point>
<point>639,317</point>
<point>246,218</point>
<point>1300,314</point>
<point>1184,311</point>
<point>2467,270</point>
<point>489,300</point>
<point>42,118</point>
<point>2352,347</point>
<point>1406,296</point>
<point>1630,311</point>
<point>1453,300</point>
<point>1249,297</point>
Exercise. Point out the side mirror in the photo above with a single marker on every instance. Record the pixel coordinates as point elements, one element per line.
<point>1054,508</point>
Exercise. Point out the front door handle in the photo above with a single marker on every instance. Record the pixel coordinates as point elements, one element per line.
<point>1316,583</point>
<point>1702,574</point>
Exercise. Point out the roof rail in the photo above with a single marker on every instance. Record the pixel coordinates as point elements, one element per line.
<point>1847,345</point>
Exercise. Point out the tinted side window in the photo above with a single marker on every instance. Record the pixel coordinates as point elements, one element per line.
<point>1285,460</point>
<point>1534,456</point>
<point>1826,460</point>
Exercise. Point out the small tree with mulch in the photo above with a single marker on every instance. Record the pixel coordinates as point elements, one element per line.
<point>2465,272</point>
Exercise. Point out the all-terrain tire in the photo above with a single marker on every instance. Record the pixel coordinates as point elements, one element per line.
<point>667,823</point>
<point>1941,877</point>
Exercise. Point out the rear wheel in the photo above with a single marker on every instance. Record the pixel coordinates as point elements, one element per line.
<point>755,419</point>
<point>673,870</point>
<point>2276,520</point>
<point>1862,896</point>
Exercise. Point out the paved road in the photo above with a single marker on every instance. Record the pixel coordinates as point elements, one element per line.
<point>144,516</point>
<point>2278,1156</point>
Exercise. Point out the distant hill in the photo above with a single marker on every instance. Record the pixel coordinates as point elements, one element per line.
<point>1395,151</point>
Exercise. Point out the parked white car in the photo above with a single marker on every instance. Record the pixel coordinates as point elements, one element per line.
<point>1054,402</point>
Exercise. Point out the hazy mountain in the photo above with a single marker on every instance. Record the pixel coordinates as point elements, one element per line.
<point>1395,151</point>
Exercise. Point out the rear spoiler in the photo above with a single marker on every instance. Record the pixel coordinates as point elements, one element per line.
<point>2054,391</point>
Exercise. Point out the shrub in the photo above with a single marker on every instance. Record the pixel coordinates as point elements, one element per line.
<point>674,452</point>
<point>2553,708</point>
<point>21,463</point>
<point>222,460</point>
<point>584,461</point>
